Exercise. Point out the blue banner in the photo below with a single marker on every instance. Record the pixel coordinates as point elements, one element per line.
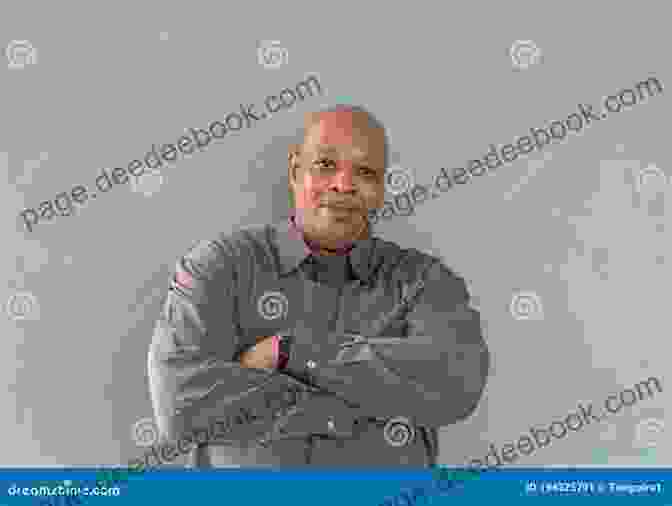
<point>55,487</point>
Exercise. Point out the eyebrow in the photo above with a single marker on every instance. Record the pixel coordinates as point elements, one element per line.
<point>325,149</point>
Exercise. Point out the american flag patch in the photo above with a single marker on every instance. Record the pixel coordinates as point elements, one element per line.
<point>184,279</point>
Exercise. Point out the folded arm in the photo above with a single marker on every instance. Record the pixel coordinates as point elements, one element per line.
<point>434,377</point>
<point>194,373</point>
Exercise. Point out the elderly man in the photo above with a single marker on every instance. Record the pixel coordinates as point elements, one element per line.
<point>312,340</point>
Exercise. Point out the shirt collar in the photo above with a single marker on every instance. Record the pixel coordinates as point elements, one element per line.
<point>292,250</point>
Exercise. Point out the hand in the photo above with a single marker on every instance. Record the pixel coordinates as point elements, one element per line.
<point>260,356</point>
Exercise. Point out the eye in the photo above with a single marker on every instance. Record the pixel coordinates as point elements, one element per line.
<point>368,172</point>
<point>323,161</point>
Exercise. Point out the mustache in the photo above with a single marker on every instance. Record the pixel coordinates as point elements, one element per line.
<point>341,202</point>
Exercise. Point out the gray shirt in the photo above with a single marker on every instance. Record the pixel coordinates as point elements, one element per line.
<point>428,364</point>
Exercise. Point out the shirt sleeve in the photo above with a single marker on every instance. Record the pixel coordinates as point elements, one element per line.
<point>195,379</point>
<point>434,377</point>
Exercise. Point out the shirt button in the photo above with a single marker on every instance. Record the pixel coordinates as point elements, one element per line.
<point>311,364</point>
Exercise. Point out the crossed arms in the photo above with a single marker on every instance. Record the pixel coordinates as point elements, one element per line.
<point>435,376</point>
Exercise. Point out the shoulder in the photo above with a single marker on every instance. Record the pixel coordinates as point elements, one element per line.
<point>408,265</point>
<point>228,249</point>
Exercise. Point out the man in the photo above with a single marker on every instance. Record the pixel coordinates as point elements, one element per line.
<point>376,344</point>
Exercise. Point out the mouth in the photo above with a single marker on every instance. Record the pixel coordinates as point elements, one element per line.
<point>340,207</point>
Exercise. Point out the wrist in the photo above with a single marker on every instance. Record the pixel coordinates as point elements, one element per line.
<point>281,345</point>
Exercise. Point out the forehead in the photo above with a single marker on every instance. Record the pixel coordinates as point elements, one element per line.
<point>343,129</point>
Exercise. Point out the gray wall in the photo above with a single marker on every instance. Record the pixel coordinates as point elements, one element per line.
<point>567,223</point>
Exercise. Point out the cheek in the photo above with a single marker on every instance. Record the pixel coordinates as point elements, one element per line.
<point>309,196</point>
<point>374,196</point>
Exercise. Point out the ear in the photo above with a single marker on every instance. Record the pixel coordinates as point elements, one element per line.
<point>292,172</point>
<point>293,162</point>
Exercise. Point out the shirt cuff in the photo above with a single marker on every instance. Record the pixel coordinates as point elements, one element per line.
<point>281,351</point>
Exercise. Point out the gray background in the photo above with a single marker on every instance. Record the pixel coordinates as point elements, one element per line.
<point>568,225</point>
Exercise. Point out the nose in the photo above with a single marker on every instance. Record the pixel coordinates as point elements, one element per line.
<point>343,180</point>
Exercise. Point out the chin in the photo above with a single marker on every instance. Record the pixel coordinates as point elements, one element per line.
<point>343,231</point>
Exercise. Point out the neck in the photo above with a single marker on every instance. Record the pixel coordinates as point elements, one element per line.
<point>329,248</point>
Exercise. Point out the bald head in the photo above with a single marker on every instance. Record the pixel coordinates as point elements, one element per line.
<point>349,118</point>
